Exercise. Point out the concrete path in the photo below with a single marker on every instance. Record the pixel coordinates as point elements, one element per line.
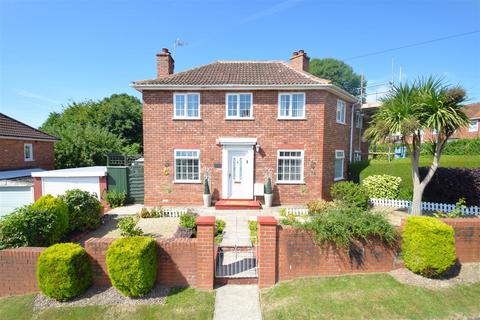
<point>236,232</point>
<point>237,302</point>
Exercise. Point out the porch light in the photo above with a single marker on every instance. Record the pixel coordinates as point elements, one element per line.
<point>257,148</point>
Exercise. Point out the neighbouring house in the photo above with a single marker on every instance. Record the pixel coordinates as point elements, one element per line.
<point>238,119</point>
<point>23,151</point>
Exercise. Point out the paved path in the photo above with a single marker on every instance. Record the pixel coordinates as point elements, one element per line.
<point>236,232</point>
<point>237,302</point>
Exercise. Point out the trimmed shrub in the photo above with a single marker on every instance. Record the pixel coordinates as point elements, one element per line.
<point>115,199</point>
<point>188,220</point>
<point>132,265</point>
<point>428,246</point>
<point>64,271</point>
<point>343,226</point>
<point>128,227</point>
<point>350,194</point>
<point>31,227</point>
<point>448,185</point>
<point>319,206</point>
<point>84,209</point>
<point>58,207</point>
<point>382,186</point>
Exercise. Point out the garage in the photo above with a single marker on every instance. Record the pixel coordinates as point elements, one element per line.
<point>14,196</point>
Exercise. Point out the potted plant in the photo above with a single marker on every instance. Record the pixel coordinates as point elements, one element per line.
<point>268,194</point>
<point>207,196</point>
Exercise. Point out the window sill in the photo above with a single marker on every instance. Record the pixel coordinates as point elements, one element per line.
<point>240,119</point>
<point>290,182</point>
<point>342,123</point>
<point>187,182</point>
<point>28,160</point>
<point>294,119</point>
<point>188,119</point>
<point>338,179</point>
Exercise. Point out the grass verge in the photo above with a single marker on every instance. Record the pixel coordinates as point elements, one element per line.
<point>374,296</point>
<point>181,303</point>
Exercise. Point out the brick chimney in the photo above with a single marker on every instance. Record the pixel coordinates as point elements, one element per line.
<point>165,63</point>
<point>300,61</point>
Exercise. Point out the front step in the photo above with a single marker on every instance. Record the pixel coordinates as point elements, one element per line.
<point>236,204</point>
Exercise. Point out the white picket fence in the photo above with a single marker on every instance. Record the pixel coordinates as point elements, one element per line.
<point>173,212</point>
<point>430,206</point>
<point>297,211</point>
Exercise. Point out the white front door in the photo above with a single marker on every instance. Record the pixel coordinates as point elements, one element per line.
<point>238,174</point>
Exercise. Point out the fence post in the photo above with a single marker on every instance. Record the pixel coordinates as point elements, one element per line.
<point>205,252</point>
<point>267,252</point>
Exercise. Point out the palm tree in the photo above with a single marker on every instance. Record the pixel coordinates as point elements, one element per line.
<point>408,110</point>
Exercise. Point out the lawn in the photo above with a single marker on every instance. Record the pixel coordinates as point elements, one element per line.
<point>402,167</point>
<point>180,304</point>
<point>375,296</point>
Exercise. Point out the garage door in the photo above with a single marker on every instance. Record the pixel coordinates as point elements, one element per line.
<point>57,186</point>
<point>12,197</point>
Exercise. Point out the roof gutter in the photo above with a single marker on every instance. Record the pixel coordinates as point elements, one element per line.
<point>327,87</point>
<point>29,138</point>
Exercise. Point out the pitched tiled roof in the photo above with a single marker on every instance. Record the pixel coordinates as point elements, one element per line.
<point>239,73</point>
<point>472,110</point>
<point>13,128</point>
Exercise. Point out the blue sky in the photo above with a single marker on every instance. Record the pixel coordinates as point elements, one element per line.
<point>55,52</point>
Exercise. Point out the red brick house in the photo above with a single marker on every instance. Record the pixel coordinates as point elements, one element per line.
<point>240,118</point>
<point>22,146</point>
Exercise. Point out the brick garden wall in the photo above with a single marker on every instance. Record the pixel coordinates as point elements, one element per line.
<point>18,271</point>
<point>467,238</point>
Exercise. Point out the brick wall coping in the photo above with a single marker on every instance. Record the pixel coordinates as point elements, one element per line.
<point>267,221</point>
<point>206,220</point>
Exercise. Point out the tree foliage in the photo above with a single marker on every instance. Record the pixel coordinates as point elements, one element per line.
<point>91,129</point>
<point>337,71</point>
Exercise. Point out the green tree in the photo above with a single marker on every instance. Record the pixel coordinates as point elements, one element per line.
<point>84,145</point>
<point>408,110</point>
<point>337,71</point>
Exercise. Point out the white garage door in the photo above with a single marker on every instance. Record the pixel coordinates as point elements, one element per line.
<point>12,197</point>
<point>57,186</point>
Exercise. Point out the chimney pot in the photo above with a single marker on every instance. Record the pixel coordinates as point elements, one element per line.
<point>300,60</point>
<point>165,63</point>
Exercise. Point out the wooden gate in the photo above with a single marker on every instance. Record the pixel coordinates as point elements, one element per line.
<point>136,187</point>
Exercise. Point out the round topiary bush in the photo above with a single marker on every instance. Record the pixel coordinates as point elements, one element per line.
<point>132,265</point>
<point>64,271</point>
<point>428,246</point>
<point>84,209</point>
<point>382,186</point>
<point>58,207</point>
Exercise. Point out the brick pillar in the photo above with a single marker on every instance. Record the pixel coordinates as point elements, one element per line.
<point>205,252</point>
<point>37,188</point>
<point>267,252</point>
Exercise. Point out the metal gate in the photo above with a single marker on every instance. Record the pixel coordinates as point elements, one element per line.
<point>236,262</point>
<point>136,187</point>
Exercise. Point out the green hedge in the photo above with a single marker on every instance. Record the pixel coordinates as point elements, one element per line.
<point>350,194</point>
<point>84,209</point>
<point>64,271</point>
<point>428,246</point>
<point>31,227</point>
<point>461,147</point>
<point>132,265</point>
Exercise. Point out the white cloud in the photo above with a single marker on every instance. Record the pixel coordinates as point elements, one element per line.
<point>35,96</point>
<point>279,7</point>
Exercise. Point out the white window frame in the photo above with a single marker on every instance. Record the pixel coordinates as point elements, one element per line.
<point>31,152</point>
<point>238,117</point>
<point>302,156</point>
<point>290,117</point>
<point>343,113</point>
<point>472,127</point>
<point>358,120</point>
<point>199,180</point>
<point>337,152</point>
<point>185,106</point>
<point>355,153</point>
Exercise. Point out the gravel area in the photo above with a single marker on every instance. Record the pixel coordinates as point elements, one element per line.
<point>467,273</point>
<point>103,296</point>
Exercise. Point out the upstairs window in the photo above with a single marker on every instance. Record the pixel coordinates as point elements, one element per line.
<point>357,156</point>
<point>239,106</point>
<point>473,126</point>
<point>187,166</point>
<point>290,166</point>
<point>339,164</point>
<point>341,111</point>
<point>28,152</point>
<point>187,106</point>
<point>358,120</point>
<point>291,106</point>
